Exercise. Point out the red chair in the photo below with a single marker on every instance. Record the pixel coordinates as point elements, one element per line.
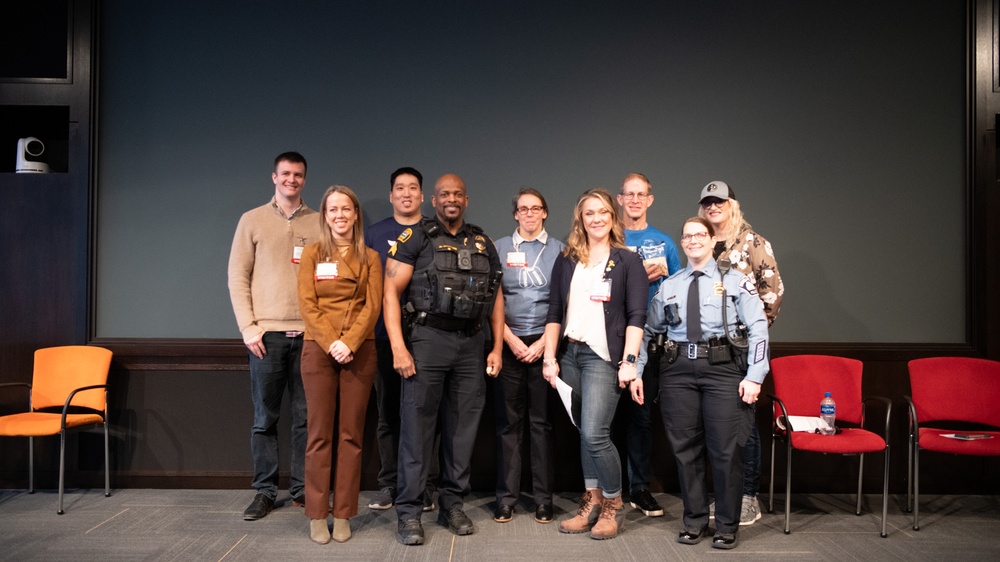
<point>68,390</point>
<point>950,389</point>
<point>800,382</point>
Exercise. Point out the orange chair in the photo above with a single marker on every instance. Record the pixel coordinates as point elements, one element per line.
<point>72,379</point>
<point>799,384</point>
<point>950,389</point>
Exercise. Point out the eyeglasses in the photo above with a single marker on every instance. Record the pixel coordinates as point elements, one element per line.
<point>637,196</point>
<point>697,237</point>
<point>709,201</point>
<point>530,210</point>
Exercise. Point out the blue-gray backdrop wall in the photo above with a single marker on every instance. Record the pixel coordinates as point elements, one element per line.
<point>840,125</point>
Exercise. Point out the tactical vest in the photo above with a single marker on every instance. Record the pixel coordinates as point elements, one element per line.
<point>458,282</point>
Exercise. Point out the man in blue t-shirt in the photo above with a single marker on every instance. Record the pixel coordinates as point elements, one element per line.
<point>659,255</point>
<point>405,195</point>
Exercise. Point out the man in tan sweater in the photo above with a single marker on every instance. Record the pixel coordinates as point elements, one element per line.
<point>263,268</point>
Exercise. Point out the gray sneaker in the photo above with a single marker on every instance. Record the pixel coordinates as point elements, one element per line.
<point>750,512</point>
<point>383,499</point>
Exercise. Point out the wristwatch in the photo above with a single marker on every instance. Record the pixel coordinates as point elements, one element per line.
<point>629,360</point>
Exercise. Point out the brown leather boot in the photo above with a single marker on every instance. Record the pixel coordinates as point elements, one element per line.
<point>590,509</point>
<point>611,521</point>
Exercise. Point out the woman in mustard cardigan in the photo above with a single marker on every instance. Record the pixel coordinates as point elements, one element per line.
<point>340,296</point>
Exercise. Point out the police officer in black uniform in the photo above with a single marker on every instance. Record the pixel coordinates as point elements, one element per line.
<point>453,274</point>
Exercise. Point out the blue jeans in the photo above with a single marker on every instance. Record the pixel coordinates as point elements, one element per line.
<point>597,382</point>
<point>269,377</point>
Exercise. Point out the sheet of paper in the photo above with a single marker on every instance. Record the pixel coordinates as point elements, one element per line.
<point>566,395</point>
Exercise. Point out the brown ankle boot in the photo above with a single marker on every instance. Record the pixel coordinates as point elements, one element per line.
<point>611,521</point>
<point>590,509</point>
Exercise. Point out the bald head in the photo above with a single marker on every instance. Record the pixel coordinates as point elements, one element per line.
<point>449,200</point>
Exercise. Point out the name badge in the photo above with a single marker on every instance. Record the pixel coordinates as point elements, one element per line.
<point>297,254</point>
<point>601,290</point>
<point>325,271</point>
<point>516,259</point>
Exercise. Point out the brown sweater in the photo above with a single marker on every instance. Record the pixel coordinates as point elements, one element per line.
<point>262,276</point>
<point>345,308</point>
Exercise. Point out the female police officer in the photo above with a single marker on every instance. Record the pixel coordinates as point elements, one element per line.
<point>710,377</point>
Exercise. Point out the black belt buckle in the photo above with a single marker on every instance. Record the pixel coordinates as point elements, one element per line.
<point>692,351</point>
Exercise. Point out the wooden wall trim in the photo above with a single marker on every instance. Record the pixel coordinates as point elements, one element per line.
<point>166,354</point>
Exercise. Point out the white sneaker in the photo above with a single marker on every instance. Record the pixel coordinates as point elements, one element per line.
<point>750,511</point>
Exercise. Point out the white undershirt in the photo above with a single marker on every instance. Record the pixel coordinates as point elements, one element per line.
<point>585,317</point>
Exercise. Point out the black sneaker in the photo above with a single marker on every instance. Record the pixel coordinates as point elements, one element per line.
<point>410,532</point>
<point>644,502</point>
<point>384,499</point>
<point>259,507</point>
<point>456,520</point>
<point>725,541</point>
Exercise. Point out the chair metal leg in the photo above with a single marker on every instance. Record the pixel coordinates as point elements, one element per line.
<point>107,461</point>
<point>770,487</point>
<point>916,487</point>
<point>62,467</point>
<point>909,474</point>
<point>788,488</point>
<point>861,472</point>
<point>31,465</point>
<point>885,491</point>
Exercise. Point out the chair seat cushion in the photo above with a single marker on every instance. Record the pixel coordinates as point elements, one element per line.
<point>36,424</point>
<point>931,439</point>
<point>849,440</point>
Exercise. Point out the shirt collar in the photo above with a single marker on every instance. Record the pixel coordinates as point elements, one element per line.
<point>280,211</point>
<point>542,237</point>
<point>708,270</point>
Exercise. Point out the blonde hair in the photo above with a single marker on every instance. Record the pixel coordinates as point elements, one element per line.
<point>327,245</point>
<point>577,246</point>
<point>736,225</point>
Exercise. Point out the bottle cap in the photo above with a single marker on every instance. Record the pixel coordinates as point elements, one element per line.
<point>827,394</point>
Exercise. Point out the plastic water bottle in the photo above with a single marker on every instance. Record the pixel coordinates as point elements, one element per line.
<point>828,413</point>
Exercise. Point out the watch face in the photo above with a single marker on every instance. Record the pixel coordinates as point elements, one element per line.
<point>630,358</point>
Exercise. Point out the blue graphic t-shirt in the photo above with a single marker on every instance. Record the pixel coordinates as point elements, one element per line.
<point>650,244</point>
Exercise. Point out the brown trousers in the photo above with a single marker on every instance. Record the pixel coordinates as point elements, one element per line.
<point>336,397</point>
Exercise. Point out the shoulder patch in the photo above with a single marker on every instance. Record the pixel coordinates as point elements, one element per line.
<point>405,235</point>
<point>759,352</point>
<point>747,286</point>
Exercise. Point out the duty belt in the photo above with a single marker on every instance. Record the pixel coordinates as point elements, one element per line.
<point>693,350</point>
<point>446,323</point>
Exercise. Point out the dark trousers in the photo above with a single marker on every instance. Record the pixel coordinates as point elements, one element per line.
<point>388,385</point>
<point>449,386</point>
<point>705,418</point>
<point>521,392</point>
<point>639,432</point>
<point>751,463</point>
<point>270,377</point>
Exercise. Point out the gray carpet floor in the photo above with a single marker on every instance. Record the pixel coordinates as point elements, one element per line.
<point>185,525</point>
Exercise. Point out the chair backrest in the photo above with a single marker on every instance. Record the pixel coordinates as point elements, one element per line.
<point>60,370</point>
<point>956,389</point>
<point>800,381</point>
